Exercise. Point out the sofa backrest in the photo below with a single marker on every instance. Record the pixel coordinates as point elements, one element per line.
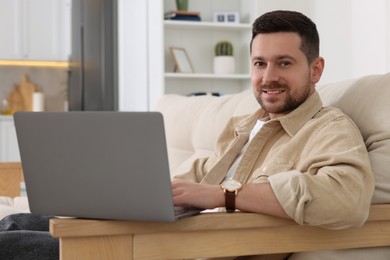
<point>192,124</point>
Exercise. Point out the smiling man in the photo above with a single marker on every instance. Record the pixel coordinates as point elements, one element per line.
<point>293,158</point>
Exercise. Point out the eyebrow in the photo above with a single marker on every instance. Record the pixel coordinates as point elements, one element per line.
<point>278,57</point>
<point>284,56</point>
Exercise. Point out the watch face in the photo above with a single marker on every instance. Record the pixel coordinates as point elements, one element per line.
<point>231,185</point>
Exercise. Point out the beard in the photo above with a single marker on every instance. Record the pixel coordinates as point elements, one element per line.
<point>290,103</point>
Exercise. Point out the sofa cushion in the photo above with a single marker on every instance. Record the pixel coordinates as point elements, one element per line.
<point>367,101</point>
<point>192,124</point>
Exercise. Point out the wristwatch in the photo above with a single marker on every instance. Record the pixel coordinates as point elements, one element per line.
<point>231,187</point>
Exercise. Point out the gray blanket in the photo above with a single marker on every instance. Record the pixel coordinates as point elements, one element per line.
<point>24,236</point>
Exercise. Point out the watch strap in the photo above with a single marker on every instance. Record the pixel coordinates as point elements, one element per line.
<point>230,201</point>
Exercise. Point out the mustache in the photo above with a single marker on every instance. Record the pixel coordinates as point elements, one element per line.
<point>273,85</point>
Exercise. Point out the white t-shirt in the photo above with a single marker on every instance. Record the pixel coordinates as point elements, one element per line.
<point>255,130</point>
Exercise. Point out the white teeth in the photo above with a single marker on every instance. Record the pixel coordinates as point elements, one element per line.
<point>274,91</point>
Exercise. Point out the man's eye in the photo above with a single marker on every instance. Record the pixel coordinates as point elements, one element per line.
<point>259,64</point>
<point>285,63</point>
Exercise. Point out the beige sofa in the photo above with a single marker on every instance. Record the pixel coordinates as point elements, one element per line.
<point>193,123</point>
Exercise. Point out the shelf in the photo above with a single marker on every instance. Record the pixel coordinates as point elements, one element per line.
<point>206,76</point>
<point>207,25</point>
<point>199,39</point>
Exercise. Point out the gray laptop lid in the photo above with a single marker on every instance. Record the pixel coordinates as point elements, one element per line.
<point>106,165</point>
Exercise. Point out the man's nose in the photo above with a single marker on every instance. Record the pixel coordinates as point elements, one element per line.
<point>270,74</point>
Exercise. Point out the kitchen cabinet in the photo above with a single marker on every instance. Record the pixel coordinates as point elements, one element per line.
<point>10,28</point>
<point>35,29</point>
<point>9,150</point>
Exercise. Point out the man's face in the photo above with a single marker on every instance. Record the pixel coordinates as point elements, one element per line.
<point>282,79</point>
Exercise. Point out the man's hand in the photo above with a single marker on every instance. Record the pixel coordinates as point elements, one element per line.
<point>203,196</point>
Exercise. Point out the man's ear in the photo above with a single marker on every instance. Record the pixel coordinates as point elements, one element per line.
<point>317,67</point>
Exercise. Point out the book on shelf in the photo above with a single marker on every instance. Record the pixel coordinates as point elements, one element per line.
<point>179,15</point>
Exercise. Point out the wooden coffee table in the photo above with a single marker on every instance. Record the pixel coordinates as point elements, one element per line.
<point>210,235</point>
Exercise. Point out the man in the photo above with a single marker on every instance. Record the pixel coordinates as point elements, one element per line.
<point>293,158</point>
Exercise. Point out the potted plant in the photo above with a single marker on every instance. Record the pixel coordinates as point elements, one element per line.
<point>224,60</point>
<point>182,5</point>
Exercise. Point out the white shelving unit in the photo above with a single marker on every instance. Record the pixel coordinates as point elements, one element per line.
<point>146,65</point>
<point>199,39</point>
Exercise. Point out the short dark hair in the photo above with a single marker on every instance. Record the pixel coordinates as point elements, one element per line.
<point>290,21</point>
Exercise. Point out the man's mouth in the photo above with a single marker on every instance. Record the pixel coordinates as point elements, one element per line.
<point>273,91</point>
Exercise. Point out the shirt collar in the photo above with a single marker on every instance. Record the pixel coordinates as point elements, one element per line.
<point>296,119</point>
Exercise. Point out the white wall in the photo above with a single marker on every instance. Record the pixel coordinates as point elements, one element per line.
<point>132,55</point>
<point>355,34</point>
<point>370,40</point>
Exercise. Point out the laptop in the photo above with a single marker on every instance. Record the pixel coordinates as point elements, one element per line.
<point>100,165</point>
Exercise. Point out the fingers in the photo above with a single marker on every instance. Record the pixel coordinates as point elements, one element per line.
<point>184,193</point>
<point>176,183</point>
<point>178,192</point>
<point>177,186</point>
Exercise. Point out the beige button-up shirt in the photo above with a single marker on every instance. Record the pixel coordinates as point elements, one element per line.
<point>314,158</point>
